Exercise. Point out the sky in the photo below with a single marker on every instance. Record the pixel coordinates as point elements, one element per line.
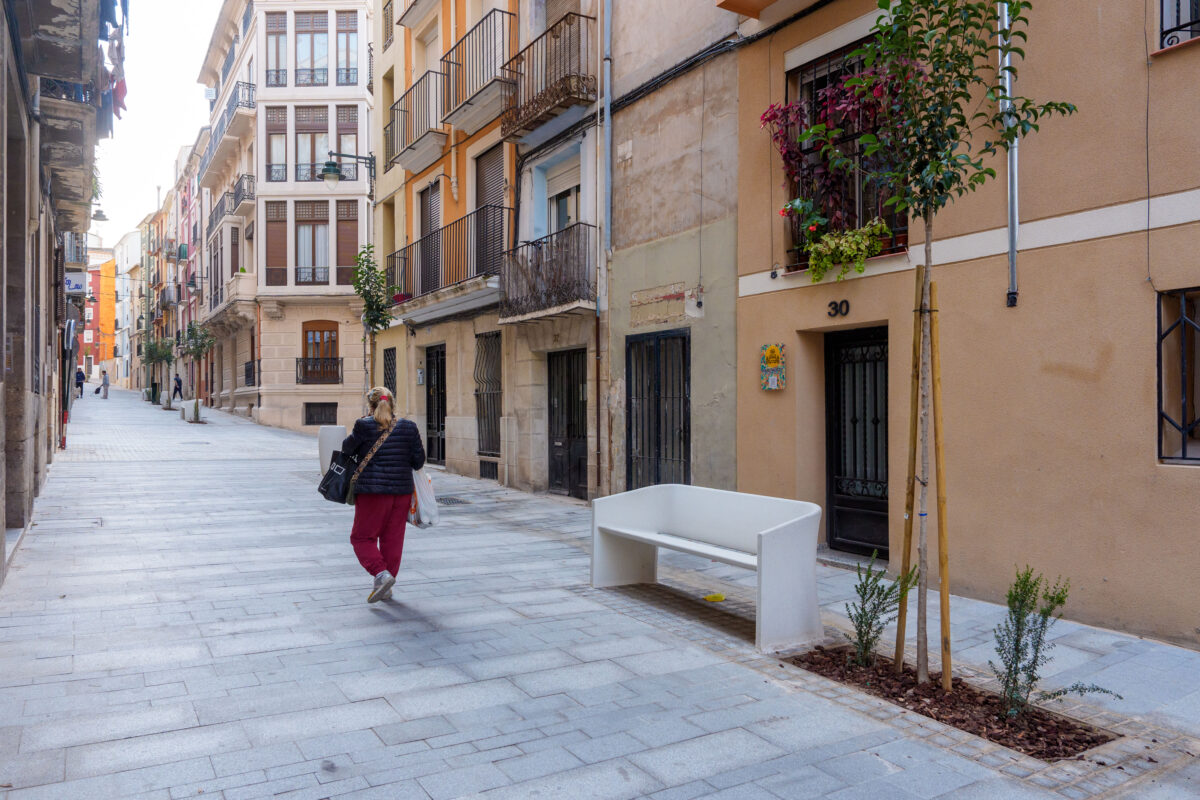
<point>166,108</point>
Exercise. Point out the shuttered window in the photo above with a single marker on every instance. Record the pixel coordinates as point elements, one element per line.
<point>276,119</point>
<point>276,212</point>
<point>557,9</point>
<point>312,242</point>
<point>347,240</point>
<point>489,178</point>
<point>235,263</point>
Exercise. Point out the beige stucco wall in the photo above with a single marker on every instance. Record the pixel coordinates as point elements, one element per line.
<point>1050,407</point>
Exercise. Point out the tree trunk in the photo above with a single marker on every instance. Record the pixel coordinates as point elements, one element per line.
<point>366,367</point>
<point>923,516</point>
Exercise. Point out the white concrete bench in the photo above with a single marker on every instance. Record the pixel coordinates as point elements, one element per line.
<point>775,537</point>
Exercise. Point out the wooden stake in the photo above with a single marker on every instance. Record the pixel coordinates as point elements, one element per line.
<point>939,442</point>
<point>910,485</point>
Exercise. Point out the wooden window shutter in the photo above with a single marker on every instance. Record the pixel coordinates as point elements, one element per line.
<point>276,212</point>
<point>235,262</point>
<point>312,119</point>
<point>312,22</point>
<point>312,211</point>
<point>276,119</point>
<point>347,119</point>
<point>277,23</point>
<point>347,21</point>
<point>347,240</point>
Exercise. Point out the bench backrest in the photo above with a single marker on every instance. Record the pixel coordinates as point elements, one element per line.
<point>713,516</point>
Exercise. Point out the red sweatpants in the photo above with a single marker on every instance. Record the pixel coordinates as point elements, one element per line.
<point>378,532</point>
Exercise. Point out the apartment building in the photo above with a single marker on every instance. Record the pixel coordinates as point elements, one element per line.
<point>288,82</point>
<point>1069,370</point>
<point>127,253</point>
<point>486,216</point>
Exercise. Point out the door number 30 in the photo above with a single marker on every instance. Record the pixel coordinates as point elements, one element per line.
<point>839,308</point>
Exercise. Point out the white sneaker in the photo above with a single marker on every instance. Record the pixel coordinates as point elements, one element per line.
<point>383,586</point>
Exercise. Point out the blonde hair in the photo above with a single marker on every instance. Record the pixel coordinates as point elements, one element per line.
<point>382,407</point>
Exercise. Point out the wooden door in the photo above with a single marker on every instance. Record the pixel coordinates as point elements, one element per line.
<point>567,378</point>
<point>856,436</point>
<point>429,247</point>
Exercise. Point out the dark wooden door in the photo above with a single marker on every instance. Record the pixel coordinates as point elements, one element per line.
<point>568,422</point>
<point>429,249</point>
<point>856,433</point>
<point>435,403</point>
<point>658,409</point>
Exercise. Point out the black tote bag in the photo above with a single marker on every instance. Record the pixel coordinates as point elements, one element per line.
<point>335,486</point>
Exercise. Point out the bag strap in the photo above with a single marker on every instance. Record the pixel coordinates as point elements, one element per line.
<point>378,443</point>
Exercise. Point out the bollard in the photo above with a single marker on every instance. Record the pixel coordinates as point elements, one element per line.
<point>329,438</point>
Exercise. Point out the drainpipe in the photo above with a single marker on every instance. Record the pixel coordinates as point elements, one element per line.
<point>1014,222</point>
<point>607,251</point>
<point>452,132</point>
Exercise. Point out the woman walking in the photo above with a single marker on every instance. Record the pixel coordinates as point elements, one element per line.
<point>383,491</point>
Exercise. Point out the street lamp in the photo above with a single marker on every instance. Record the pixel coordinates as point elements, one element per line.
<point>331,173</point>
<point>99,216</point>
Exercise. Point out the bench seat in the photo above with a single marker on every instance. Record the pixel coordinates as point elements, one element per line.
<point>703,549</point>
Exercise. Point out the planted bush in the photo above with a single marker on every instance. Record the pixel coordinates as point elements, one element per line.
<point>1034,605</point>
<point>878,603</point>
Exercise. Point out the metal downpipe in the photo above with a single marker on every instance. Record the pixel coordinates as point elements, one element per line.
<point>1014,162</point>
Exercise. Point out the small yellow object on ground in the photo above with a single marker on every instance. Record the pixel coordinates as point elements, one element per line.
<point>714,598</point>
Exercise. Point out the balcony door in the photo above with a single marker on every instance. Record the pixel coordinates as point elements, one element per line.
<point>429,249</point>
<point>489,198</point>
<point>319,363</point>
<point>567,376</point>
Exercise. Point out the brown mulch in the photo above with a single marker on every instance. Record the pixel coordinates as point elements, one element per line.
<point>1036,733</point>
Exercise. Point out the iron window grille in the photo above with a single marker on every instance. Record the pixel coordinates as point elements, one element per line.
<point>488,392</point>
<point>308,172</point>
<point>347,76</point>
<point>277,77</point>
<point>857,199</point>
<point>1180,22</point>
<point>276,172</point>
<point>320,413</point>
<point>1179,376</point>
<point>658,431</point>
<point>312,77</point>
<point>319,370</point>
<point>389,369</point>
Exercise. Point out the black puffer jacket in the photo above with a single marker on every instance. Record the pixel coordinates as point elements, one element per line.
<point>390,469</point>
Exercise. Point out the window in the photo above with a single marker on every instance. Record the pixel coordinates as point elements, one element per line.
<point>851,201</point>
<point>312,49</point>
<point>347,240</point>
<point>87,336</point>
<point>1180,21</point>
<point>347,140</point>
<point>276,266</point>
<point>320,413</point>
<point>312,242</point>
<point>1179,375</point>
<point>389,369</point>
<point>88,314</point>
<point>312,141</point>
<point>487,392</point>
<point>277,49</point>
<point>347,48</point>
<point>235,264</point>
<point>319,362</point>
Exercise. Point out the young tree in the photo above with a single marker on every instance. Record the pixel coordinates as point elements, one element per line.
<point>936,81</point>
<point>197,343</point>
<point>161,352</point>
<point>371,284</point>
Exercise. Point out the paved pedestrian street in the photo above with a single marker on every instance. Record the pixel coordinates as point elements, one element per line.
<point>185,618</point>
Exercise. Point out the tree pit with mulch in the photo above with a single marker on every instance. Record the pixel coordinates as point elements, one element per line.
<point>1037,732</point>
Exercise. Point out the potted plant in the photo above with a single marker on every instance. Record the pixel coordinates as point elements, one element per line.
<point>807,226</point>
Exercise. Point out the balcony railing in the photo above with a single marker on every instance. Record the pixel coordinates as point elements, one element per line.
<point>478,57</point>
<point>389,143</point>
<point>347,76</point>
<point>276,77</point>
<point>84,93</point>
<point>250,373</point>
<point>553,73</point>
<point>243,192</point>
<point>312,276</point>
<point>241,96</point>
<point>1180,22</point>
<point>349,171</point>
<point>370,67</point>
<point>309,172</point>
<point>389,25</point>
<point>230,57</point>
<point>318,370</point>
<point>312,77</point>
<point>466,248</point>
<point>553,271</point>
<point>222,207</point>
<point>75,249</point>
<point>420,109</point>
<point>276,172</point>
<point>216,298</point>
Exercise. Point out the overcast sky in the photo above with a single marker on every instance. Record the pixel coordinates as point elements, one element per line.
<point>164,52</point>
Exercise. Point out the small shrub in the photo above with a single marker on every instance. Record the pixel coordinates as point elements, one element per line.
<point>878,604</point>
<point>1034,605</point>
<point>850,249</point>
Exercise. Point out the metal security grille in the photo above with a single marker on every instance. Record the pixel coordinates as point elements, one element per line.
<point>389,369</point>
<point>857,434</point>
<point>487,392</point>
<point>567,375</point>
<point>320,413</point>
<point>658,408</point>
<point>431,220</point>
<point>435,403</point>
<point>1179,375</point>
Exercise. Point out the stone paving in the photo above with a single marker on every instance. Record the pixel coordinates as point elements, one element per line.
<point>185,618</point>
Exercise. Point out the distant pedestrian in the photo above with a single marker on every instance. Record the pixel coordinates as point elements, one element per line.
<point>383,492</point>
<point>104,383</point>
<point>178,388</point>
<point>79,379</point>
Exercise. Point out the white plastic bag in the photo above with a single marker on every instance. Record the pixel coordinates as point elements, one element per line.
<point>424,511</point>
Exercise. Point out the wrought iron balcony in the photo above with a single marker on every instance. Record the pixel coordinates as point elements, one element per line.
<point>550,273</point>
<point>347,76</point>
<point>243,195</point>
<point>75,249</point>
<point>84,93</point>
<point>474,83</point>
<point>318,370</point>
<point>389,25</point>
<point>1180,22</point>
<point>250,373</point>
<point>312,77</point>
<point>276,172</point>
<point>276,77</point>
<point>556,71</point>
<point>312,276</point>
<point>309,172</point>
<point>349,171</point>
<point>241,98</point>
<point>222,207</point>
<point>419,118</point>
<point>230,57</point>
<point>389,142</point>
<point>471,246</point>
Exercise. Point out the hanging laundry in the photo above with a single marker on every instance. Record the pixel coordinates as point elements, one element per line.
<point>119,92</point>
